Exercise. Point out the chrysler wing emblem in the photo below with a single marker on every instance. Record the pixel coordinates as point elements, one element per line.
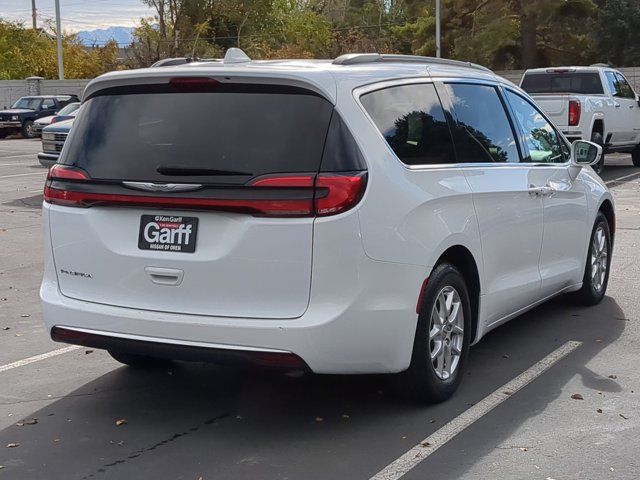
<point>163,187</point>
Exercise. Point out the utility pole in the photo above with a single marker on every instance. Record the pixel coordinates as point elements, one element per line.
<point>438,51</point>
<point>33,14</point>
<point>59,41</point>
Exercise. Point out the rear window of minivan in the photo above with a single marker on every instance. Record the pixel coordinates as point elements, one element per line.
<point>226,135</point>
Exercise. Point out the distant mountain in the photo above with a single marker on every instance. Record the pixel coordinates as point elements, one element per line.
<point>122,35</point>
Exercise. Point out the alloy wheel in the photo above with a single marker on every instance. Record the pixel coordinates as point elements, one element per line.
<point>446,332</point>
<point>599,258</point>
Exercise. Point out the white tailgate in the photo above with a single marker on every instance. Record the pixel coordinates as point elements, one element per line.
<point>555,106</point>
<point>243,266</point>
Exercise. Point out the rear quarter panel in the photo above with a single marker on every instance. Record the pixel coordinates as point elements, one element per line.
<point>409,216</point>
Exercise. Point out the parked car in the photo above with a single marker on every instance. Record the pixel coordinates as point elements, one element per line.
<point>589,103</point>
<point>53,138</point>
<point>65,113</point>
<point>23,113</point>
<point>371,214</point>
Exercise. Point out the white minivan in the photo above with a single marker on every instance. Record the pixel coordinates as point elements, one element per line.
<point>370,214</point>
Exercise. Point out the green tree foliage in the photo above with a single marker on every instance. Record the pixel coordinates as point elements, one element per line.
<point>501,34</point>
<point>25,52</point>
<point>617,31</point>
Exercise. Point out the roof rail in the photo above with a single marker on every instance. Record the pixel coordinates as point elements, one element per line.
<point>360,58</point>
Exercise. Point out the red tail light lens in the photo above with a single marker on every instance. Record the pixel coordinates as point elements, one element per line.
<point>279,195</point>
<point>574,113</point>
<point>62,172</point>
<point>343,192</point>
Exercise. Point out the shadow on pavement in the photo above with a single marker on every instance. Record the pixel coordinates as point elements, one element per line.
<point>552,324</point>
<point>201,420</point>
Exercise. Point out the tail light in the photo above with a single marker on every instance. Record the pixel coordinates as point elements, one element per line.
<point>574,113</point>
<point>275,195</point>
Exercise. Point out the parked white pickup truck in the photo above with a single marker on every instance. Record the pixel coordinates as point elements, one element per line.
<point>589,103</point>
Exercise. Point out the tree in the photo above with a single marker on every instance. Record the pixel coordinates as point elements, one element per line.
<point>25,52</point>
<point>617,32</point>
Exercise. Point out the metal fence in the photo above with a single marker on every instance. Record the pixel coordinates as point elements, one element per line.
<point>12,90</point>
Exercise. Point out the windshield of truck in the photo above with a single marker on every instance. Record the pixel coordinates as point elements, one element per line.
<point>27,103</point>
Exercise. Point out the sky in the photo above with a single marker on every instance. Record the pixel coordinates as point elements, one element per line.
<point>78,14</point>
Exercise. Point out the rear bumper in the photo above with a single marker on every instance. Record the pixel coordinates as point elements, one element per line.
<point>48,159</point>
<point>11,125</point>
<point>187,351</point>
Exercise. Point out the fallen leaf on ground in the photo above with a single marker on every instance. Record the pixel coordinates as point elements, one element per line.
<point>599,410</point>
<point>524,449</point>
<point>505,356</point>
<point>319,419</point>
<point>87,352</point>
<point>6,328</point>
<point>56,440</point>
<point>18,334</point>
<point>25,315</point>
<point>613,377</point>
<point>508,392</point>
<point>425,444</point>
<point>577,396</point>
<point>626,418</point>
<point>122,421</point>
<point>12,445</point>
<point>33,421</point>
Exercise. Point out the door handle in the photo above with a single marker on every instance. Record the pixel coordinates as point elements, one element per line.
<point>541,191</point>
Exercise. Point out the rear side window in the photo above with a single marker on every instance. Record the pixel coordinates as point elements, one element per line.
<point>483,132</point>
<point>411,119</point>
<point>584,83</point>
<point>228,135</point>
<point>619,86</point>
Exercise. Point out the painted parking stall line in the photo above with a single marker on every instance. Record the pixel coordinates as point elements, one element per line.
<point>38,358</point>
<point>439,438</point>
<point>23,175</point>
<point>613,182</point>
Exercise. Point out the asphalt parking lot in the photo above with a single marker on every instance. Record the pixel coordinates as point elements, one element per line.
<point>78,414</point>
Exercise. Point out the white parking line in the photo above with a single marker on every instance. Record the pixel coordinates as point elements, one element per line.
<point>616,180</point>
<point>440,437</point>
<point>14,164</point>
<point>37,358</point>
<point>19,156</point>
<point>22,174</point>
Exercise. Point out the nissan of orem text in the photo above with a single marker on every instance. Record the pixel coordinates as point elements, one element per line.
<point>370,214</point>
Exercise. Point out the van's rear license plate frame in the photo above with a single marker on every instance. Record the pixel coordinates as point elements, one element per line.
<point>168,233</point>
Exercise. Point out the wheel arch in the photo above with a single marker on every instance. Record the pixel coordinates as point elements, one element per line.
<point>462,258</point>
<point>606,207</point>
<point>598,126</point>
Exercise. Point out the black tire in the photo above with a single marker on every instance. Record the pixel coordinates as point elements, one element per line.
<point>596,137</point>
<point>139,361</point>
<point>635,156</point>
<point>593,290</point>
<point>421,381</point>
<point>28,130</point>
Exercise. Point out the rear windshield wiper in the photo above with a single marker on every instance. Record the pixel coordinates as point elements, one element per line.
<point>183,170</point>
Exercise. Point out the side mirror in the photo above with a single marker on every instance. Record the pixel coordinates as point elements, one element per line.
<point>585,153</point>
